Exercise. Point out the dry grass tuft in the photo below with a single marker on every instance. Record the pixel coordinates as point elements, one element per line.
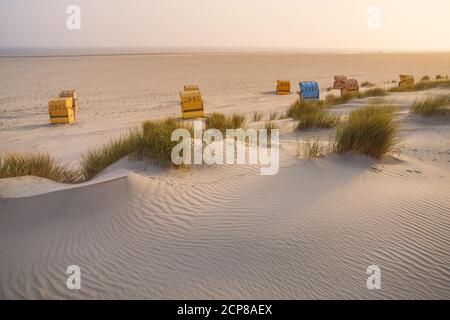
<point>312,114</point>
<point>432,105</point>
<point>370,130</point>
<point>36,164</point>
<point>97,160</point>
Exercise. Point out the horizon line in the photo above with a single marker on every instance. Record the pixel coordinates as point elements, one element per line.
<point>78,51</point>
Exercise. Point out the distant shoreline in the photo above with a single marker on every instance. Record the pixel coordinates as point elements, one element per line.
<point>10,52</point>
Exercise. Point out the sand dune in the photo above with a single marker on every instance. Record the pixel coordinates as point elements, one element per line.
<point>309,232</point>
<point>221,232</point>
<point>227,232</point>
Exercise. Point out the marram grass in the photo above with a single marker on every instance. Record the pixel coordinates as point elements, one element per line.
<point>257,116</point>
<point>432,105</point>
<point>332,100</point>
<point>312,148</point>
<point>273,116</point>
<point>312,114</point>
<point>370,130</point>
<point>221,122</point>
<point>156,142</point>
<point>36,164</point>
<point>423,85</point>
<point>152,142</point>
<point>96,160</point>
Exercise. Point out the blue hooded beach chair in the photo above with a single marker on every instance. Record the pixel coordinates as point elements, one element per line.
<point>309,90</point>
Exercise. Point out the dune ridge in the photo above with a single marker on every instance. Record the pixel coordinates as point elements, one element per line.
<point>233,235</point>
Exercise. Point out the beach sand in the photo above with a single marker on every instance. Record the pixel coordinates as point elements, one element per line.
<point>220,232</point>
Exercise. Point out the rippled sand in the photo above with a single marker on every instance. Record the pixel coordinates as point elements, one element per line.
<point>309,232</point>
<point>224,232</point>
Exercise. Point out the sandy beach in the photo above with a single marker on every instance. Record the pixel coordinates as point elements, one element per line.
<point>221,232</point>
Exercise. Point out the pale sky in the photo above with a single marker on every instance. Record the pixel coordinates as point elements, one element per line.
<point>305,24</point>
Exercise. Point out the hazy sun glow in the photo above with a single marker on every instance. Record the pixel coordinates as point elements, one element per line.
<point>320,24</point>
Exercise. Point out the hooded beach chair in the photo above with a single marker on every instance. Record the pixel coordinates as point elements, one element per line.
<point>339,82</point>
<point>283,87</point>
<point>64,108</point>
<point>351,86</point>
<point>191,104</point>
<point>309,90</point>
<point>406,80</point>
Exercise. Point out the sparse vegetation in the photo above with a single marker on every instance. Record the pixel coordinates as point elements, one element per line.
<point>332,100</point>
<point>156,144</point>
<point>425,85</point>
<point>221,122</point>
<point>36,164</point>
<point>237,121</point>
<point>373,92</point>
<point>432,105</point>
<point>96,160</point>
<point>283,115</point>
<point>311,149</point>
<point>273,116</point>
<point>370,130</point>
<point>269,126</point>
<point>257,116</point>
<point>153,143</point>
<point>217,121</point>
<point>311,114</point>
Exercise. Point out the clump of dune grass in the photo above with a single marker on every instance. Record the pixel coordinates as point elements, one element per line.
<point>312,114</point>
<point>332,100</point>
<point>367,84</point>
<point>312,148</point>
<point>273,116</point>
<point>373,92</point>
<point>221,122</point>
<point>432,105</point>
<point>216,121</point>
<point>370,130</point>
<point>156,142</point>
<point>236,121</point>
<point>96,160</point>
<point>36,164</point>
<point>299,105</point>
<point>423,85</point>
<point>346,97</point>
<point>425,78</point>
<point>257,116</point>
